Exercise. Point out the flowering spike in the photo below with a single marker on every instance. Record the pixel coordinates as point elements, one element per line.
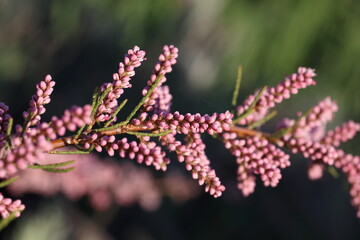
<point>163,66</point>
<point>37,102</point>
<point>302,79</point>
<point>121,80</point>
<point>341,133</point>
<point>8,206</point>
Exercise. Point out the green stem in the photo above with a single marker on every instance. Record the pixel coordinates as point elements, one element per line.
<point>137,107</point>
<point>99,97</point>
<point>150,134</point>
<point>94,100</point>
<point>264,120</point>
<point>8,181</point>
<point>251,108</point>
<point>27,120</point>
<point>5,221</point>
<point>10,125</point>
<point>79,131</point>
<point>51,166</point>
<point>116,113</point>
<point>142,101</point>
<point>333,172</point>
<point>59,170</point>
<point>8,134</point>
<point>84,150</point>
<point>69,152</point>
<point>237,87</point>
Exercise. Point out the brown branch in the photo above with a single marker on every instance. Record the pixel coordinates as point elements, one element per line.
<point>240,131</point>
<point>245,132</point>
<point>71,140</point>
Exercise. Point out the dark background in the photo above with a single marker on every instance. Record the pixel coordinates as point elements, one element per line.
<point>80,44</point>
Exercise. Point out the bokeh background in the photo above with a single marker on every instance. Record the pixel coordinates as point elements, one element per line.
<point>80,44</point>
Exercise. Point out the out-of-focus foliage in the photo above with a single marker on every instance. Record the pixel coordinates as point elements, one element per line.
<point>269,38</point>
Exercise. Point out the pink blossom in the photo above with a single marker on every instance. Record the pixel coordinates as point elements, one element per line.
<point>256,156</point>
<point>196,161</point>
<point>146,151</point>
<point>312,126</point>
<point>341,133</point>
<point>42,97</point>
<point>291,85</point>
<point>188,123</point>
<point>121,80</point>
<point>163,66</point>
<point>8,206</point>
<point>72,119</point>
<point>23,153</point>
<point>163,101</point>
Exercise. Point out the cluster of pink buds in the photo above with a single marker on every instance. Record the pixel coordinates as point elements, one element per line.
<point>42,97</point>
<point>256,156</point>
<point>187,123</point>
<point>152,130</point>
<point>144,152</point>
<point>196,161</point>
<point>308,136</point>
<point>121,80</point>
<point>163,66</point>
<point>163,102</point>
<point>350,165</point>
<point>25,152</point>
<point>73,118</point>
<point>8,206</point>
<point>291,85</point>
<point>341,133</point>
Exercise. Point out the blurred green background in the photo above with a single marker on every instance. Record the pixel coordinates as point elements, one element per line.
<point>81,42</point>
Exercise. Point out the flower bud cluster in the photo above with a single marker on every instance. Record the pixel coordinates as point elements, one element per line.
<point>121,80</point>
<point>163,66</point>
<point>291,85</point>
<point>313,150</point>
<point>312,126</point>
<point>8,206</point>
<point>23,149</point>
<point>24,152</point>
<point>188,123</point>
<point>341,133</point>
<point>255,155</point>
<point>30,147</point>
<point>308,133</point>
<point>196,161</point>
<point>146,151</point>
<point>73,118</point>
<point>309,137</point>
<point>38,100</point>
<point>4,123</point>
<point>350,165</point>
<point>309,130</point>
<point>163,102</point>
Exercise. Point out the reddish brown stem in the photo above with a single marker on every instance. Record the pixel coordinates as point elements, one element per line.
<point>70,140</point>
<point>240,131</point>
